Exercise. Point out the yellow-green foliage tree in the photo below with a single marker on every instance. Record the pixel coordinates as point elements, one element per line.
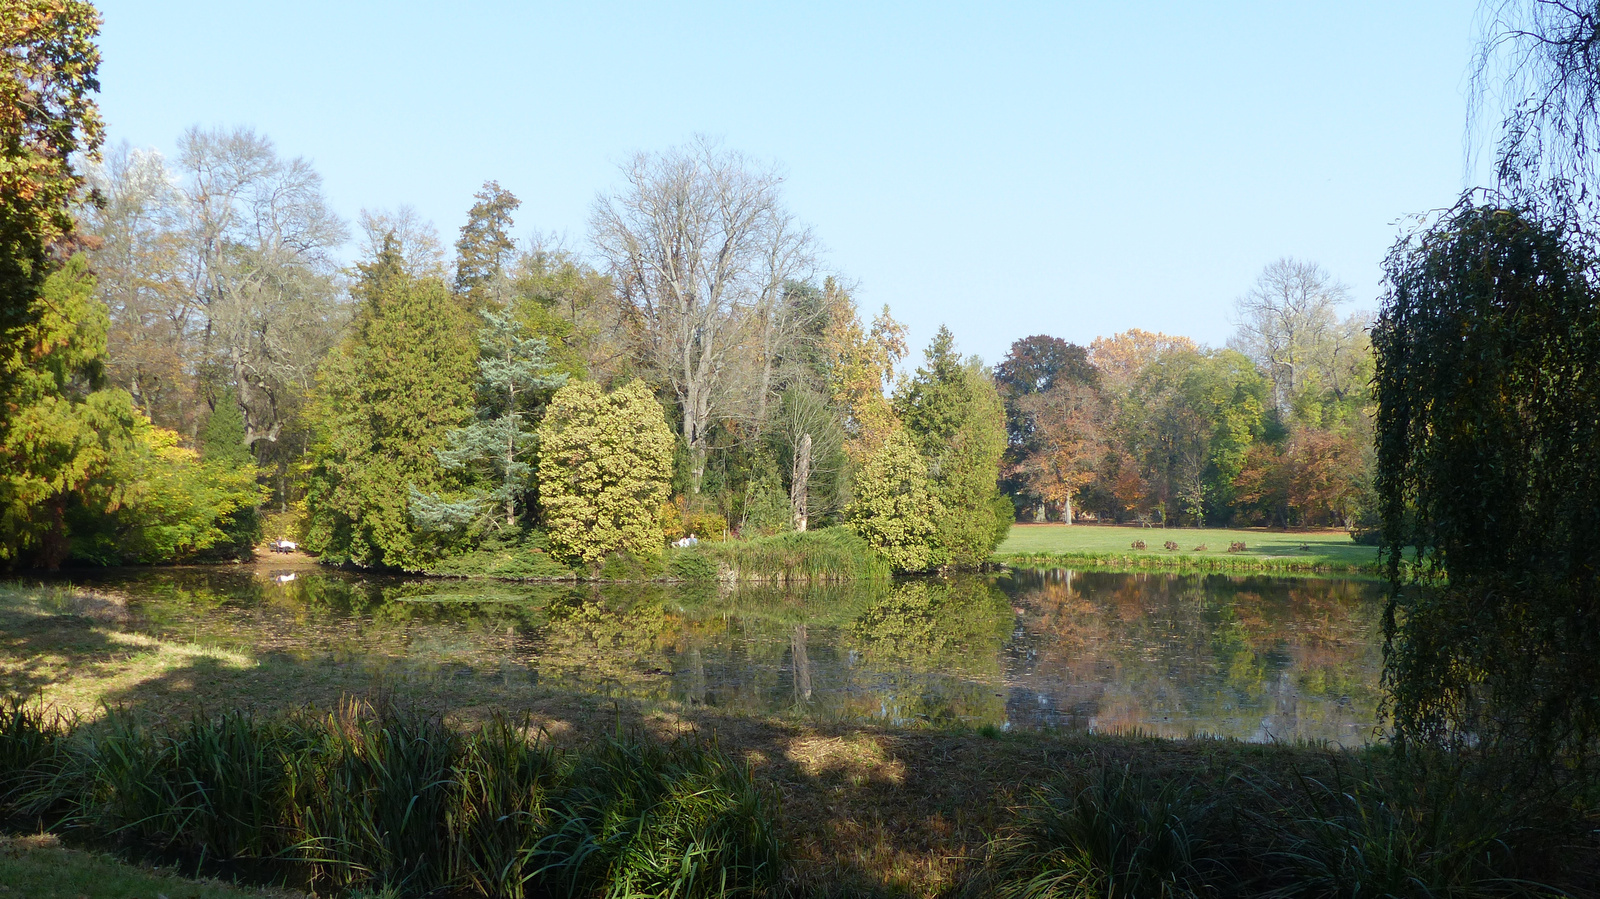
<point>166,503</point>
<point>860,365</point>
<point>57,428</point>
<point>62,431</point>
<point>82,473</point>
<point>894,511</point>
<point>605,468</point>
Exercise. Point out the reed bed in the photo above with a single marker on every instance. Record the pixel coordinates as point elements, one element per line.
<point>384,801</point>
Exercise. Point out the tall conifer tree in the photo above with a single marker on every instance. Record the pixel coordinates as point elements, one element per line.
<point>63,431</point>
<point>893,508</point>
<point>952,413</point>
<point>57,428</point>
<point>485,249</point>
<point>385,400</point>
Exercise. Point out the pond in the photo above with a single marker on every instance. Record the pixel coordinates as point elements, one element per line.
<point>1256,658</point>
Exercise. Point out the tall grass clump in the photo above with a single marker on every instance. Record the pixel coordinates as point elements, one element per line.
<point>389,801</point>
<point>1423,826</point>
<point>643,819</point>
<point>32,749</point>
<point>819,556</point>
<point>1113,832</point>
<point>372,804</point>
<point>217,788</point>
<point>505,788</point>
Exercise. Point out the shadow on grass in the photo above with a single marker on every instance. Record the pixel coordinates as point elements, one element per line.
<point>37,649</point>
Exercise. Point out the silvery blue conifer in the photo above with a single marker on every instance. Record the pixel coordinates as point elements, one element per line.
<point>497,448</point>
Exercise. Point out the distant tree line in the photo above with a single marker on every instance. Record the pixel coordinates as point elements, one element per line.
<point>1275,429</point>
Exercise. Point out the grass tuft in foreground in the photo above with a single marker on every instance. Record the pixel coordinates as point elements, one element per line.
<point>395,802</point>
<point>1430,827</point>
<point>1418,828</point>
<point>1112,833</point>
<point>32,755</point>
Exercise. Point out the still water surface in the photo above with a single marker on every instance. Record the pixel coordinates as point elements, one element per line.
<point>1256,658</point>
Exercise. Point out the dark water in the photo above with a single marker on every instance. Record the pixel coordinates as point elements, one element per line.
<point>1256,658</point>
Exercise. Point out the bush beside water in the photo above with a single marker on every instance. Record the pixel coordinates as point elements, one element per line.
<point>523,556</point>
<point>820,556</point>
<point>398,802</point>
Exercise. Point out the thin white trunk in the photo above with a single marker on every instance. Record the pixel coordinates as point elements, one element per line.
<point>799,482</point>
<point>511,446</point>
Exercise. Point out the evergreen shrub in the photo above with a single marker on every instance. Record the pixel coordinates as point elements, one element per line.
<point>690,565</point>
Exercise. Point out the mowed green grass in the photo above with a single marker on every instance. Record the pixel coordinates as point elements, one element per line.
<point>1321,549</point>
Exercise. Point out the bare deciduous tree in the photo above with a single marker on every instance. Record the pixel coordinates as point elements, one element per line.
<point>700,246</point>
<point>139,267</point>
<point>415,237</point>
<point>260,241</point>
<point>1284,320</point>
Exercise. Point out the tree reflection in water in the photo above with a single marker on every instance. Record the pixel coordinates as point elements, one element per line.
<point>1249,657</point>
<point>1255,658</point>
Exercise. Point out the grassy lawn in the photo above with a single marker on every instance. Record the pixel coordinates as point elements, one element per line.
<point>38,867</point>
<point>1321,549</point>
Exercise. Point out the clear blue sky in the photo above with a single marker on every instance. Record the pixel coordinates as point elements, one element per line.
<point>1007,169</point>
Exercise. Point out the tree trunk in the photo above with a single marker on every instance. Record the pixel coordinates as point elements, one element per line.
<point>799,482</point>
<point>695,414</point>
<point>697,464</point>
<point>1066,510</point>
<point>249,395</point>
<point>54,545</point>
<point>511,449</point>
<point>697,467</point>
